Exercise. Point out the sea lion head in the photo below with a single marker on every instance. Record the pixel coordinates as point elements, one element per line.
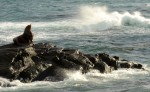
<point>27,30</point>
<point>28,34</point>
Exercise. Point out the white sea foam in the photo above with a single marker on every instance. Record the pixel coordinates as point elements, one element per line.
<point>76,76</point>
<point>102,18</point>
<point>96,77</point>
<point>77,79</point>
<point>147,4</point>
<point>11,25</point>
<point>90,17</point>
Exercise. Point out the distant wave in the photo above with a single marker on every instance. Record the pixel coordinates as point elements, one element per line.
<point>147,4</point>
<point>102,18</point>
<point>8,25</point>
<point>90,17</point>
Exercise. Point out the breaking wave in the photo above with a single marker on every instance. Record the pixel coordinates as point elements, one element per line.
<point>101,17</point>
<point>76,79</point>
<point>98,17</point>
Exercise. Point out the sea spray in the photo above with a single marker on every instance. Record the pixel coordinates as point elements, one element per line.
<point>100,18</point>
<point>76,76</point>
<point>89,16</point>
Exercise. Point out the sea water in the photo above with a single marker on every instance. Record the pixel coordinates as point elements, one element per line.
<point>115,27</point>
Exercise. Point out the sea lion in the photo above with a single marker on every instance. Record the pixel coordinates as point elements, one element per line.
<point>25,38</point>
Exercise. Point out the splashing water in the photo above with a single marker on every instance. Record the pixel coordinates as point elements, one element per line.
<point>100,17</point>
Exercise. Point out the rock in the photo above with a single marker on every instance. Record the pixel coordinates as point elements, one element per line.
<point>31,73</point>
<point>21,61</point>
<point>64,63</point>
<point>53,73</point>
<point>79,59</point>
<point>137,66</point>
<point>47,62</point>
<point>49,55</point>
<point>25,38</point>
<point>43,61</point>
<point>125,65</point>
<point>7,52</point>
<point>110,61</point>
<point>116,58</point>
<point>129,64</point>
<point>103,67</point>
<point>99,64</point>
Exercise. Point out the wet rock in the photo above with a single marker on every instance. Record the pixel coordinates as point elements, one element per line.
<point>48,62</point>
<point>29,74</point>
<point>49,55</point>
<point>53,73</point>
<point>129,64</point>
<point>110,61</point>
<point>79,59</point>
<point>99,64</point>
<point>103,67</point>
<point>29,62</point>
<point>137,66</point>
<point>64,63</point>
<point>116,58</point>
<point>22,61</point>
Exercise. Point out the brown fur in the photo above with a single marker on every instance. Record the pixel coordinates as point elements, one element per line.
<point>25,38</point>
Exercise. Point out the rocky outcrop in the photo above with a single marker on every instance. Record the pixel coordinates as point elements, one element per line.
<point>44,61</point>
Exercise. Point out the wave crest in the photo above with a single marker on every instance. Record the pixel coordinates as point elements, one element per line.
<point>102,18</point>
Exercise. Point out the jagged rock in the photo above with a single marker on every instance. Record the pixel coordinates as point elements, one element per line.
<point>79,59</point>
<point>48,55</point>
<point>99,65</point>
<point>53,73</point>
<point>103,67</point>
<point>31,73</point>
<point>43,61</point>
<point>22,61</point>
<point>110,61</point>
<point>116,58</point>
<point>128,64</point>
<point>6,55</point>
<point>48,62</point>
<point>64,63</point>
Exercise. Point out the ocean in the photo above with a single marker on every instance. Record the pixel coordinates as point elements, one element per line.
<point>115,27</point>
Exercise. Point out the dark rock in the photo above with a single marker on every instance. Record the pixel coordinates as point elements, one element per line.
<point>50,63</point>
<point>137,66</point>
<point>93,59</point>
<point>99,64</point>
<point>49,55</point>
<point>70,51</point>
<point>64,63</point>
<point>129,64</point>
<point>29,74</point>
<point>103,67</point>
<point>110,61</point>
<point>21,61</point>
<point>53,73</point>
<point>125,65</point>
<point>6,56</point>
<point>79,59</point>
<point>116,58</point>
<point>29,62</point>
